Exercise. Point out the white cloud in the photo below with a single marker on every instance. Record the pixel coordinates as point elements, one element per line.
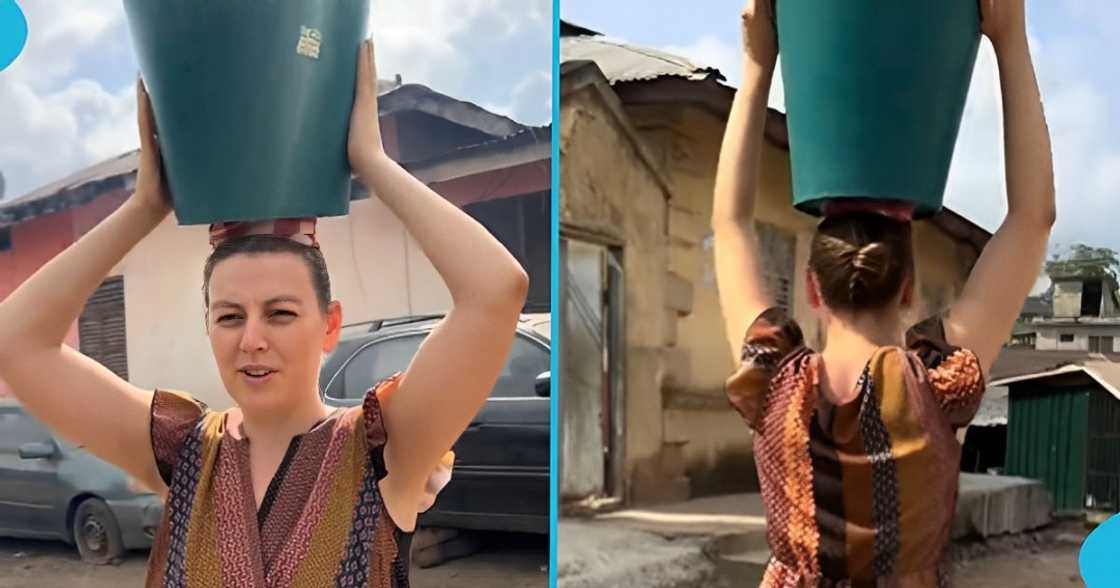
<point>57,116</point>
<point>524,99</point>
<point>712,51</point>
<point>60,32</point>
<point>49,135</point>
<point>461,46</point>
<point>1082,119</point>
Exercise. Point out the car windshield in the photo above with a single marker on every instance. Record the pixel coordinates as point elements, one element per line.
<point>391,355</point>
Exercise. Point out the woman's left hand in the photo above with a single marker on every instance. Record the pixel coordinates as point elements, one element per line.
<point>364,145</point>
<point>439,479</point>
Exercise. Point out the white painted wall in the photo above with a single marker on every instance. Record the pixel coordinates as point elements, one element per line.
<point>1049,337</point>
<point>376,269</point>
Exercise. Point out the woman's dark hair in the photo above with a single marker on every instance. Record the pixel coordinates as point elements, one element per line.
<point>861,260</point>
<point>258,244</point>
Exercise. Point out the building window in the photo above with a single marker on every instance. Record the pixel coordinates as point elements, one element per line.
<point>778,250</point>
<point>101,327</point>
<point>1066,338</point>
<point>1100,344</point>
<point>5,239</point>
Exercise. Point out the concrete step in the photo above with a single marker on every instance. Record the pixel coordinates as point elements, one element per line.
<point>742,557</point>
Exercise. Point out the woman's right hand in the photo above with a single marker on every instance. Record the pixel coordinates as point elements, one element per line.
<point>1001,20</point>
<point>760,40</point>
<point>151,191</point>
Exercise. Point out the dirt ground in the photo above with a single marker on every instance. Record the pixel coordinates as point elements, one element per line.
<point>1031,560</point>
<point>516,561</point>
<point>1055,566</point>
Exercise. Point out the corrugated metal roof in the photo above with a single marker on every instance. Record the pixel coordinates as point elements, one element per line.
<point>1015,363</point>
<point>623,62</point>
<point>395,97</point>
<point>994,407</point>
<point>1105,372</point>
<point>121,164</point>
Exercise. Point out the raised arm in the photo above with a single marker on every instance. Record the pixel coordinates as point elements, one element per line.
<point>982,318</point>
<point>742,293</point>
<point>457,365</point>
<point>73,395</point>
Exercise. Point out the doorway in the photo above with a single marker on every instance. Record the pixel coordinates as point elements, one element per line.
<point>591,371</point>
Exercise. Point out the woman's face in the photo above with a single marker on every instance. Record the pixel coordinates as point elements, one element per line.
<point>267,331</point>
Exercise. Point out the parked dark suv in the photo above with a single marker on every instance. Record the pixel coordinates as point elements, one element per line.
<point>500,481</point>
<point>50,489</point>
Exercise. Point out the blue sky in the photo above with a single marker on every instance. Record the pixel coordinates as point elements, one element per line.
<point>69,102</point>
<point>1074,44</point>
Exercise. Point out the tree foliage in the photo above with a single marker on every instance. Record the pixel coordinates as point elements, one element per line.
<point>1084,261</point>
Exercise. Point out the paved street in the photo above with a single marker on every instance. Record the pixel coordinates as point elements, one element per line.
<point>516,561</point>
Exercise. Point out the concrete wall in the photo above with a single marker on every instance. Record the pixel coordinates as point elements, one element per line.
<point>611,194</point>
<point>1067,299</point>
<point>1049,337</point>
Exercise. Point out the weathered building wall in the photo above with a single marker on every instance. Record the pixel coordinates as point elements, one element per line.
<point>1049,336</point>
<point>1108,304</point>
<point>1067,298</point>
<point>611,194</point>
<point>37,241</point>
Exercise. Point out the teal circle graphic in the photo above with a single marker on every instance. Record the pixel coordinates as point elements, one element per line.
<point>13,32</point>
<point>1100,566</point>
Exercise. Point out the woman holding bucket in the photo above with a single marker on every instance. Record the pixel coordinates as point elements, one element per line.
<point>854,445</point>
<point>280,490</point>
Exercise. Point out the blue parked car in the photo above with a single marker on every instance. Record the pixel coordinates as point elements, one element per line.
<point>50,489</point>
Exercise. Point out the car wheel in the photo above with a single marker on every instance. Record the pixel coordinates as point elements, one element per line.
<point>96,532</point>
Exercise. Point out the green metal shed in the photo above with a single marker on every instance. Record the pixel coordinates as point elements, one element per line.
<point>1064,429</point>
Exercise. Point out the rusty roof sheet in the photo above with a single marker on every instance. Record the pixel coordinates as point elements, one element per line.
<point>1015,363</point>
<point>116,166</point>
<point>623,62</point>
<point>1020,365</point>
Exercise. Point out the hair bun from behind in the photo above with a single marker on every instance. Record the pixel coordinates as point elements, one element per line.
<point>860,260</point>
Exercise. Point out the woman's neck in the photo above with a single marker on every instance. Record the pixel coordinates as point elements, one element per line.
<point>277,428</point>
<point>864,331</point>
<point>851,342</point>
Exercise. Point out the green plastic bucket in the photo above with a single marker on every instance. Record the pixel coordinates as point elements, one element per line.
<point>874,93</point>
<point>252,101</point>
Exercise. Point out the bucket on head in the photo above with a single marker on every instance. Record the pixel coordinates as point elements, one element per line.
<point>874,96</point>
<point>252,101</point>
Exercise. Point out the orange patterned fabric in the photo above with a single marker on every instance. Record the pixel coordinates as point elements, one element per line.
<point>327,524</point>
<point>861,493</point>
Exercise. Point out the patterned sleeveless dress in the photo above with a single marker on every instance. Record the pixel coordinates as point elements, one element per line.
<point>859,494</point>
<point>322,521</point>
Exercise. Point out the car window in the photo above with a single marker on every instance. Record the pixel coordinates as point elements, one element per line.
<point>379,361</point>
<point>17,428</point>
<point>527,360</point>
<point>386,357</point>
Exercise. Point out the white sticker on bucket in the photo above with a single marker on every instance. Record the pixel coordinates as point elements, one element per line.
<point>309,41</point>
